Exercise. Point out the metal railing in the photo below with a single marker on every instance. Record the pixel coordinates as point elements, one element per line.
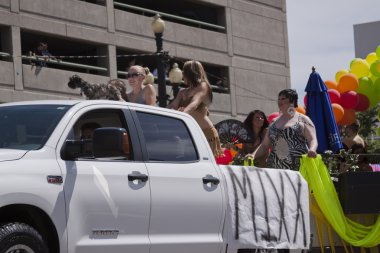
<point>52,60</point>
<point>175,17</point>
<point>63,63</point>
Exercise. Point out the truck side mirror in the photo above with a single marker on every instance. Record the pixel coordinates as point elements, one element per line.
<point>110,142</point>
<point>72,149</point>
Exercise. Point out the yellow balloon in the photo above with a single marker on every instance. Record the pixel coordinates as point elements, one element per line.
<point>360,68</point>
<point>339,74</point>
<point>371,57</point>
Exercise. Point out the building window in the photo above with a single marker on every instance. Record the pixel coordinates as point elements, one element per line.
<point>84,56</point>
<point>5,44</point>
<point>196,14</point>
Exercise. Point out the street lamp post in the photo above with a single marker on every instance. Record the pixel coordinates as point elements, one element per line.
<point>158,27</point>
<point>175,77</point>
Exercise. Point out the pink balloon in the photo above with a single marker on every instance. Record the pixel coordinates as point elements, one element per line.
<point>272,116</point>
<point>349,99</point>
<point>334,96</point>
<point>363,103</point>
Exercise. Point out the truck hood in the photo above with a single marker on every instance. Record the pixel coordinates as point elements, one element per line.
<point>11,154</point>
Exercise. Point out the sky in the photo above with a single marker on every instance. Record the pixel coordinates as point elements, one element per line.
<point>321,34</point>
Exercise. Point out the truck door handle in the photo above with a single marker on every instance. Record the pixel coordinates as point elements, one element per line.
<point>212,180</point>
<point>133,177</point>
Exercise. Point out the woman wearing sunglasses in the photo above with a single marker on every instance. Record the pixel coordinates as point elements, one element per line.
<point>141,93</point>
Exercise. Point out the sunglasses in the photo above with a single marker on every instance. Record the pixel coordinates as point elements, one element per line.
<point>133,75</point>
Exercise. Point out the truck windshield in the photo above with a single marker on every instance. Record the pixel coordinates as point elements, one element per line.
<point>28,127</point>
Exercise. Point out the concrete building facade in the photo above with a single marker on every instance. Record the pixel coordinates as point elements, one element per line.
<point>366,38</point>
<point>251,50</point>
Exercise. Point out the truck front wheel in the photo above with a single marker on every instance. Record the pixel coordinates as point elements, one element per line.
<point>21,238</point>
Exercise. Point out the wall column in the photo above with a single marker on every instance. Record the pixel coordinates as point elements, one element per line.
<point>16,55</point>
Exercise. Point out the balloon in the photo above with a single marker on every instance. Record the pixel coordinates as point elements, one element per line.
<point>272,116</point>
<point>373,98</point>
<point>353,61</point>
<point>348,82</point>
<point>348,117</point>
<point>334,96</point>
<point>349,99</point>
<point>331,84</point>
<point>339,74</point>
<point>338,112</point>
<point>360,68</point>
<point>375,68</point>
<point>371,57</point>
<point>378,52</point>
<point>301,110</point>
<point>363,103</point>
<point>376,86</point>
<point>365,84</point>
<point>305,100</point>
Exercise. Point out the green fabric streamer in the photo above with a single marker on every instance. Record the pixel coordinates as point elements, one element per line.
<point>315,173</point>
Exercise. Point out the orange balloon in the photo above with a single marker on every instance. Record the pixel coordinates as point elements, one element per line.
<point>330,84</point>
<point>338,111</point>
<point>301,110</point>
<point>348,118</point>
<point>348,82</point>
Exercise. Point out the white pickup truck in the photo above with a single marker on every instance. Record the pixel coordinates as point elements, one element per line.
<point>150,184</point>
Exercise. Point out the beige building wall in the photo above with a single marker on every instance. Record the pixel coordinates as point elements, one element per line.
<point>254,48</point>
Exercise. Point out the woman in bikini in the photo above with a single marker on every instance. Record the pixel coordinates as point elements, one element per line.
<point>195,100</point>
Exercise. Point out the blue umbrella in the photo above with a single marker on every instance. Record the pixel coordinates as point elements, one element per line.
<point>319,110</point>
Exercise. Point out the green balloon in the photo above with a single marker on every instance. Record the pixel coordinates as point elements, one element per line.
<point>376,86</point>
<point>378,52</point>
<point>375,68</point>
<point>373,99</point>
<point>365,84</point>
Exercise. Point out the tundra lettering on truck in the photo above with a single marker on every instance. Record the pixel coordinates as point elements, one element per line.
<point>104,176</point>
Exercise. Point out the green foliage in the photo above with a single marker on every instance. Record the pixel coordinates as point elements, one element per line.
<point>367,128</point>
<point>345,158</point>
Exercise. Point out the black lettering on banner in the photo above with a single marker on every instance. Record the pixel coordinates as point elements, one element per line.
<point>299,209</point>
<point>281,203</point>
<point>243,189</point>
<point>241,185</point>
<point>267,236</point>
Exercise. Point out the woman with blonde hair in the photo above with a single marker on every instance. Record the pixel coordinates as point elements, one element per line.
<point>195,100</point>
<point>141,93</point>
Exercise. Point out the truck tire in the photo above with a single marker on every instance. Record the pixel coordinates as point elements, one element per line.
<point>21,238</point>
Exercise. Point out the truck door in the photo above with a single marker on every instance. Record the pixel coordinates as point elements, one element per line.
<point>186,212</point>
<point>106,212</point>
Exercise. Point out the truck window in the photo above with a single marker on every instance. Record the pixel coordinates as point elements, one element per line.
<point>28,127</point>
<point>86,125</point>
<point>167,139</point>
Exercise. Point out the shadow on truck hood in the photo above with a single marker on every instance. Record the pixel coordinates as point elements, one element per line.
<point>11,154</point>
